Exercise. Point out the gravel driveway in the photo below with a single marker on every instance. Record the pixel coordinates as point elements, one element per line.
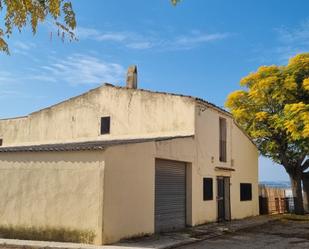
<point>276,234</point>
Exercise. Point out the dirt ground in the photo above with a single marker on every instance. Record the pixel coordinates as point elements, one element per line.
<point>282,232</point>
<point>275,234</point>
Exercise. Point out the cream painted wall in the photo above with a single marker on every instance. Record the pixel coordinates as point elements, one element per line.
<point>129,185</point>
<point>245,163</point>
<point>130,178</point>
<point>245,156</point>
<point>129,191</point>
<point>129,170</point>
<point>56,189</point>
<point>134,113</point>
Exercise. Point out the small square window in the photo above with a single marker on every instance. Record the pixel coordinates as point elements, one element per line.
<point>105,125</point>
<point>207,189</point>
<point>245,191</point>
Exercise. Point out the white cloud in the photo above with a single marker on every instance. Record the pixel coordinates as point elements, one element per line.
<point>24,45</point>
<point>290,41</point>
<point>200,38</point>
<point>195,39</point>
<point>139,45</point>
<point>6,78</point>
<point>128,39</point>
<point>118,37</point>
<point>22,48</point>
<point>75,69</point>
<point>9,93</point>
<point>79,69</point>
<point>299,35</point>
<point>151,40</point>
<point>93,34</point>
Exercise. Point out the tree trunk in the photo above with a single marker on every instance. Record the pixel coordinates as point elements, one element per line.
<point>306,192</point>
<point>296,179</point>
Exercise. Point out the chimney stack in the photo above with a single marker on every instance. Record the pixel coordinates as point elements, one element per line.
<point>132,77</point>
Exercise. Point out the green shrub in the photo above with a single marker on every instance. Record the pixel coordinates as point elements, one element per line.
<point>47,234</point>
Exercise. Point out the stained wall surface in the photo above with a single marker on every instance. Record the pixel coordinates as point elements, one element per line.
<point>134,113</point>
<point>55,189</point>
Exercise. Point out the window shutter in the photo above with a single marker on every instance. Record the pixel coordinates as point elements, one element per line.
<point>223,136</point>
<point>105,125</point>
<point>207,189</point>
<point>245,191</point>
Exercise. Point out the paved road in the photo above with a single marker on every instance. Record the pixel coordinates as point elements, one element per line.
<point>276,234</point>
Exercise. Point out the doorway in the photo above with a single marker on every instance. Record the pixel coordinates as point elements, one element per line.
<point>223,198</point>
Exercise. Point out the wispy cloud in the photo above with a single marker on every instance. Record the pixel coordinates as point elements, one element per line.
<point>299,35</point>
<point>197,38</point>
<point>9,85</point>
<point>140,45</point>
<point>79,69</point>
<point>290,41</point>
<point>151,40</point>
<point>6,78</point>
<point>86,33</point>
<point>22,48</point>
<point>9,93</point>
<point>293,41</point>
<point>75,69</point>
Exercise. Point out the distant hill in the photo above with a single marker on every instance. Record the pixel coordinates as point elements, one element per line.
<point>277,184</point>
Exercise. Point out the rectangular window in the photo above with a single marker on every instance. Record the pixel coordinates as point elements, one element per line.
<point>207,189</point>
<point>105,125</point>
<point>223,135</point>
<point>245,191</point>
<point>1,141</point>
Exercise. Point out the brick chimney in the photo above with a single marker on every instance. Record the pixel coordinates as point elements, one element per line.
<point>132,77</point>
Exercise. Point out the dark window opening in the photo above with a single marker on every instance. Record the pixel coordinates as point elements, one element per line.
<point>207,189</point>
<point>1,141</point>
<point>105,125</point>
<point>245,191</point>
<point>223,135</point>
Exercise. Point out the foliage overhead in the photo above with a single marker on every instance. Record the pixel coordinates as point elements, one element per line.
<point>22,13</point>
<point>273,107</point>
<point>174,2</point>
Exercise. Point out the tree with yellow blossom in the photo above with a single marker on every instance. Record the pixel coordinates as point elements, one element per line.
<point>273,108</point>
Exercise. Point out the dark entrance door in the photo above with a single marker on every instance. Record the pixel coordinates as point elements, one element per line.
<point>223,198</point>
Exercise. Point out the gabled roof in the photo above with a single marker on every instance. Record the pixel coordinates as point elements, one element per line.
<point>209,104</point>
<point>84,146</point>
<point>198,100</point>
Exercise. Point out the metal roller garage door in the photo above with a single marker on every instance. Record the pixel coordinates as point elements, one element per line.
<point>170,195</point>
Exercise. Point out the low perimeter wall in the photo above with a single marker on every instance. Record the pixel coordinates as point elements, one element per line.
<point>52,191</point>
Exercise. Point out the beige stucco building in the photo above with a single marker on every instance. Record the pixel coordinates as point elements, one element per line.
<point>124,162</point>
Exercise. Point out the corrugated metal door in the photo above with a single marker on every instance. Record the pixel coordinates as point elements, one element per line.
<point>170,195</point>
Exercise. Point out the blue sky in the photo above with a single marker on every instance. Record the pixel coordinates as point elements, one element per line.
<point>200,48</point>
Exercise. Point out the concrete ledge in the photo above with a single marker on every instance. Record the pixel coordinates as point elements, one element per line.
<point>49,244</point>
<point>162,241</point>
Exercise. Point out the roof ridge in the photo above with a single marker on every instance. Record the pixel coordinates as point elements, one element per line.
<point>172,94</point>
<point>129,89</point>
